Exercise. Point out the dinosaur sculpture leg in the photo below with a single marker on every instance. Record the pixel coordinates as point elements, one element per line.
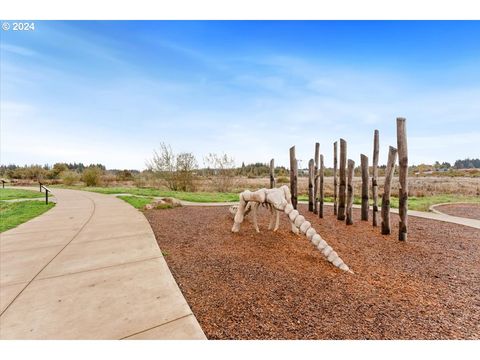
<point>254,214</point>
<point>272,217</point>
<point>240,214</point>
<point>277,220</point>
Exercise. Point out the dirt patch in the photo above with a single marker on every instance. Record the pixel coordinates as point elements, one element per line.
<point>470,211</point>
<point>278,286</point>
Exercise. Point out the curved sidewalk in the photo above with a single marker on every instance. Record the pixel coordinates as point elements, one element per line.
<point>90,268</point>
<point>422,214</point>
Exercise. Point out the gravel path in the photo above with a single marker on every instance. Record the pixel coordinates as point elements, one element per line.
<point>278,286</point>
<point>470,211</point>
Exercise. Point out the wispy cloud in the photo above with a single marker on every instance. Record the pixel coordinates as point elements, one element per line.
<point>18,50</point>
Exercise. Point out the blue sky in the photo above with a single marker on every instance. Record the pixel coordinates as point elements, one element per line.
<point>111,91</point>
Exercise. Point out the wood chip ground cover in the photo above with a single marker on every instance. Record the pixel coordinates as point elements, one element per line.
<point>470,211</point>
<point>278,286</point>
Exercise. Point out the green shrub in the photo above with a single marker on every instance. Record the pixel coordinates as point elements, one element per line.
<point>91,176</point>
<point>282,180</point>
<point>70,177</point>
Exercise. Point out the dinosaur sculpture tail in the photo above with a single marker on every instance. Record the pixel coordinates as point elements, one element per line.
<point>306,228</point>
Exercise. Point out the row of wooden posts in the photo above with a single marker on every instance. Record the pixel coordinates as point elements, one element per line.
<point>343,186</point>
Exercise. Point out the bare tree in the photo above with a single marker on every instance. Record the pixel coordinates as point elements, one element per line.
<point>223,168</point>
<point>175,169</point>
<point>185,165</point>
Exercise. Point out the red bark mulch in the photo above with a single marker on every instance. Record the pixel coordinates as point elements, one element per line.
<point>470,211</point>
<point>278,286</point>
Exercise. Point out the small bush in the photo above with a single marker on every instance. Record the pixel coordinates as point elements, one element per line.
<point>91,176</point>
<point>70,177</point>
<point>282,180</point>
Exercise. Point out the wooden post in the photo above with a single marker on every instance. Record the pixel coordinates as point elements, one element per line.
<point>403,178</point>
<point>335,163</point>
<point>343,180</point>
<point>392,156</point>
<point>293,176</point>
<point>322,185</point>
<point>375,176</point>
<point>272,174</point>
<point>351,167</point>
<point>365,205</point>
<point>311,175</point>
<point>315,184</point>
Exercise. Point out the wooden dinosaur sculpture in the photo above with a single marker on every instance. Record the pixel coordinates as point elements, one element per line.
<point>279,200</point>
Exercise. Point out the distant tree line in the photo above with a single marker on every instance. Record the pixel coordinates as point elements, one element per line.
<point>179,170</point>
<point>467,164</point>
<point>67,173</point>
<point>259,170</point>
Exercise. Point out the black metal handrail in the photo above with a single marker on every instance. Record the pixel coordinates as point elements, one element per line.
<point>47,190</point>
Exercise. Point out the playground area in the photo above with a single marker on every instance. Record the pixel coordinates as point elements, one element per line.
<point>268,285</point>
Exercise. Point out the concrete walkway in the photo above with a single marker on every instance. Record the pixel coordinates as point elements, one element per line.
<point>90,268</point>
<point>422,214</point>
<point>439,217</point>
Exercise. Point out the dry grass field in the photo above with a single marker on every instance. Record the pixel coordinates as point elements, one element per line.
<point>418,186</point>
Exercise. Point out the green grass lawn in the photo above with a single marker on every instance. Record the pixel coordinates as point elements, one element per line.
<point>414,203</point>
<point>13,214</point>
<point>9,194</point>
<point>201,197</point>
<point>137,202</point>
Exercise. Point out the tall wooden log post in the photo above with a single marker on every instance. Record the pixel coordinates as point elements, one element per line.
<point>293,176</point>
<point>343,180</point>
<point>403,178</point>
<point>335,185</point>
<point>365,183</point>
<point>351,168</point>
<point>375,176</point>
<point>272,174</point>
<point>311,176</point>
<point>316,182</point>
<point>392,157</point>
<point>322,186</point>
